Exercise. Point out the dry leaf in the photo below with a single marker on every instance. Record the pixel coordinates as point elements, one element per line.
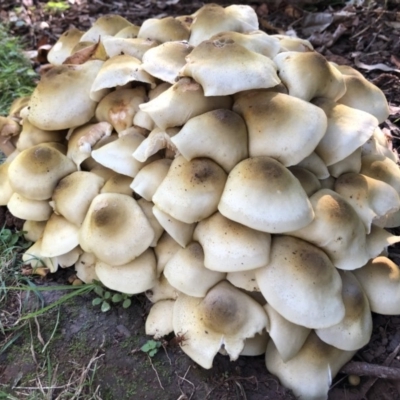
<point>94,52</point>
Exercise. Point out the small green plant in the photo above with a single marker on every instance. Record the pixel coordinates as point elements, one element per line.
<point>107,297</point>
<point>151,347</point>
<point>56,6</point>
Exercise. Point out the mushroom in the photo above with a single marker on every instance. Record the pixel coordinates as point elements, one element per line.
<point>159,320</point>
<point>164,30</point>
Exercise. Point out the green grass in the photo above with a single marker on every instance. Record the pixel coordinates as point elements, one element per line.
<point>17,78</point>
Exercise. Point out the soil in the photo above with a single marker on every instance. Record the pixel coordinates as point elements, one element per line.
<point>360,36</point>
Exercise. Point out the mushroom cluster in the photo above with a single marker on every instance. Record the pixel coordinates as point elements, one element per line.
<point>239,179</point>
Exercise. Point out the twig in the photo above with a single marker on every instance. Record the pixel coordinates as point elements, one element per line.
<point>186,380</point>
<point>39,335</point>
<point>158,378</point>
<point>372,370</point>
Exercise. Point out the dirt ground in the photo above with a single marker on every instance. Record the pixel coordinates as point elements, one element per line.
<point>365,36</point>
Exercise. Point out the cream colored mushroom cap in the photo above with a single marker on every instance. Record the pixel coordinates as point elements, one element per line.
<point>59,236</point>
<point>352,163</point>
<point>264,195</point>
<point>186,272</point>
<point>314,164</point>
<point>63,47</point>
<point>281,126</point>
<point>35,172</point>
<point>162,290</point>
<point>257,41</point>
<point>159,320</point>
<point>129,32</point>
<point>310,373</point>
<point>117,71</point>
<point>337,230</point>
<point>191,190</point>
<point>135,276</point>
<point>33,230</point>
<point>74,193</point>
<point>115,229</point>
<point>6,190</point>
<point>244,280</point>
<point>226,316</point>
<point>136,47</point>
<point>309,75</point>
<point>106,25</point>
<point>118,183</point>
<point>355,329</point>
<point>147,208</point>
<point>247,70</point>
<point>34,257</point>
<point>165,249</point>
<point>219,134</point>
<point>347,130</point>
<point>85,268</point>
<point>62,99</point>
<point>287,336</point>
<point>230,246</point>
<point>302,284</point>
<point>290,43</point>
<point>380,279</point>
<point>24,208</point>
<point>165,61</point>
<point>182,101</point>
<point>307,179</point>
<point>164,30</point>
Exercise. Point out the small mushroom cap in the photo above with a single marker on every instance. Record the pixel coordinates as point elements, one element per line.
<point>355,329</point>
<point>134,277</point>
<point>115,229</point>
<point>85,268</point>
<point>309,75</point>
<point>159,320</point>
<point>231,247</point>
<point>247,70</point>
<point>352,163</point>
<point>245,280</point>
<point>301,283</point>
<point>212,19</point>
<point>119,107</point>
<point>147,208</point>
<point>290,43</point>
<point>307,179</point>
<point>164,30</point>
<point>62,49</point>
<point>314,164</point>
<point>35,172</point>
<point>118,71</point>
<point>106,25</point>
<point>137,47</point>
<point>162,290</point>
<point>59,236</point>
<point>165,61</point>
<point>33,230</point>
<point>186,272</point>
<point>62,97</point>
<point>191,190</point>
<point>287,336</point>
<point>149,178</point>
<point>70,258</point>
<point>118,184</point>
<point>281,126</point>
<point>380,279</point>
<point>35,258</point>
<point>256,345</point>
<point>226,316</point>
<point>24,208</point>
<point>220,129</point>
<point>309,374</point>
<point>6,190</point>
<point>347,130</point>
<point>264,195</point>
<point>74,193</point>
<point>182,101</point>
<point>180,231</point>
<point>165,249</point>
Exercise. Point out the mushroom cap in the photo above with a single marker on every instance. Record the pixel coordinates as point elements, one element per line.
<point>314,164</point>
<point>186,272</point>
<point>165,249</point>
<point>129,32</point>
<point>337,230</point>
<point>281,126</point>
<point>164,30</point>
<point>309,374</point>
<point>34,257</point>
<point>307,179</point>
<point>59,236</point>
<point>352,163</point>
<point>207,63</point>
<point>115,229</point>
<point>118,183</point>
<point>159,320</point>
<point>134,47</point>
<point>182,101</point>
<point>33,230</point>
<point>264,195</point>
<point>62,49</point>
<point>35,172</point>
<point>287,336</point>
<point>380,279</point>
<point>147,208</point>
<point>166,60</point>
<point>225,316</point>
<point>219,134</point>
<point>231,247</point>
<point>355,329</point>
<point>135,276</point>
<point>290,43</point>
<point>301,283</point>
<point>191,190</point>
<point>6,190</point>
<point>62,97</point>
<point>24,208</point>
<point>85,268</point>
<point>347,130</point>
<point>162,290</point>
<point>309,75</point>
<point>74,193</point>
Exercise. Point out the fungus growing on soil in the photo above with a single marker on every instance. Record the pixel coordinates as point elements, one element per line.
<point>243,196</point>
